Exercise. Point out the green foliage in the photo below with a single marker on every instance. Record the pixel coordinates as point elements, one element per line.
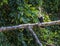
<point>14,12</point>
<point>52,9</point>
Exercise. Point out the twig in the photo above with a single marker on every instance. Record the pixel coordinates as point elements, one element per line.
<point>26,25</point>
<point>35,36</point>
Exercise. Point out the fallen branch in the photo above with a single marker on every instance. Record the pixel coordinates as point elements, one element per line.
<point>26,25</point>
<point>35,36</point>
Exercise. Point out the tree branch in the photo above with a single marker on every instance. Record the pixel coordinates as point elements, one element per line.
<point>35,36</point>
<point>26,25</point>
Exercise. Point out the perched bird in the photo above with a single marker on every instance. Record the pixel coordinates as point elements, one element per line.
<point>41,20</point>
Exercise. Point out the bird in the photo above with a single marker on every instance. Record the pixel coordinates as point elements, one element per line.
<point>41,21</point>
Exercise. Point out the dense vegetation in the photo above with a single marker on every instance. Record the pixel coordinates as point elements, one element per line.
<point>14,12</point>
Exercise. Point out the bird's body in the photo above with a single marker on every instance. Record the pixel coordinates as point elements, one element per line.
<point>41,20</point>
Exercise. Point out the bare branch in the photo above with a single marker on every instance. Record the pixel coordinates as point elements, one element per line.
<point>26,25</point>
<point>35,36</point>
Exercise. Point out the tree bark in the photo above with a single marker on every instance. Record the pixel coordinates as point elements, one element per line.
<point>26,25</point>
